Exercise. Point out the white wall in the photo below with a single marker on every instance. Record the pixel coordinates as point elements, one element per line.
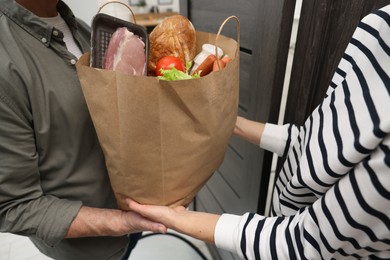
<point>163,8</point>
<point>86,9</point>
<point>83,9</point>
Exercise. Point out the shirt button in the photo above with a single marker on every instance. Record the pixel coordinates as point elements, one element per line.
<point>44,40</point>
<point>55,33</point>
<point>73,61</point>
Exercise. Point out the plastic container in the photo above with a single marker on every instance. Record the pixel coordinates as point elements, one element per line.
<point>207,49</point>
<point>103,26</point>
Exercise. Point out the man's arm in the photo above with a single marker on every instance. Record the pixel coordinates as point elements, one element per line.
<point>110,222</point>
<point>26,210</point>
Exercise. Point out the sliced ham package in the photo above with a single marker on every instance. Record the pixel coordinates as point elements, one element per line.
<point>125,53</point>
<point>119,45</point>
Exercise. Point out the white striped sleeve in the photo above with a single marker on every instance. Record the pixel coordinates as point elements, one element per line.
<point>332,196</point>
<point>274,138</point>
<point>350,221</point>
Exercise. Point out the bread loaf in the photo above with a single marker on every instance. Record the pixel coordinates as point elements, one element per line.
<point>174,36</point>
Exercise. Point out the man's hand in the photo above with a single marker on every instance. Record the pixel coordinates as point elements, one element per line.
<point>134,222</point>
<point>196,224</point>
<point>110,222</point>
<point>162,214</point>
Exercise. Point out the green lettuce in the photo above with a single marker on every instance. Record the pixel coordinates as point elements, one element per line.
<point>175,74</point>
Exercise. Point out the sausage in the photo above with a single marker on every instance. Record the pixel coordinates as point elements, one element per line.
<point>206,66</point>
<point>221,64</point>
<point>226,59</point>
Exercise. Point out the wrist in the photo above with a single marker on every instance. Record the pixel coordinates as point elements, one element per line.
<point>199,225</point>
<point>249,130</point>
<point>97,222</point>
<point>240,128</point>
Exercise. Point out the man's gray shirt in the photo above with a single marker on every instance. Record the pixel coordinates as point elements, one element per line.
<point>50,159</point>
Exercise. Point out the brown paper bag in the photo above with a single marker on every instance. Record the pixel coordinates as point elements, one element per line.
<point>162,140</point>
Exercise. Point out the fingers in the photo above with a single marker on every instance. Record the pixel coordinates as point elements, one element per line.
<point>150,225</point>
<point>140,209</point>
<point>147,225</point>
<point>150,212</point>
<point>134,206</point>
<point>162,214</point>
<point>137,223</point>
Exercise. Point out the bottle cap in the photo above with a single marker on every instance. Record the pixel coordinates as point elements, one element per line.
<point>210,48</point>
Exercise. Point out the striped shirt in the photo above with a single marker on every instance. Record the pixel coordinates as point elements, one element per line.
<point>332,197</point>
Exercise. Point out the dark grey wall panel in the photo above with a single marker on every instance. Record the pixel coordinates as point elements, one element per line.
<point>325,30</point>
<point>245,77</point>
<point>208,16</point>
<point>206,204</point>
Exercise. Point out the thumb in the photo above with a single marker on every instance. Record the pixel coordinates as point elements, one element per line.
<point>138,223</point>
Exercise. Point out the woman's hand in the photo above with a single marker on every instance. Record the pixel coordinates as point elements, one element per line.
<point>133,222</point>
<point>199,225</point>
<point>248,130</point>
<point>238,129</point>
<point>161,214</point>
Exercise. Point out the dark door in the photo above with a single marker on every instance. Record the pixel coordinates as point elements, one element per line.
<point>240,185</point>
<point>325,30</point>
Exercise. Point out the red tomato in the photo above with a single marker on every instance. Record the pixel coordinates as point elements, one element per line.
<point>167,63</point>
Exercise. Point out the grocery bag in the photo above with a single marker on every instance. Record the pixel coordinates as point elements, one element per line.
<point>162,140</point>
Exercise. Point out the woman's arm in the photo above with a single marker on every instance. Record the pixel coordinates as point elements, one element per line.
<point>199,225</point>
<point>249,130</point>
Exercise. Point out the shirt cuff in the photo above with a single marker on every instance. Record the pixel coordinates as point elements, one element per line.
<point>227,235</point>
<point>274,138</point>
<point>56,221</point>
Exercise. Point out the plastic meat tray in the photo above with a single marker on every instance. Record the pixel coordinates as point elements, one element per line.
<point>103,26</point>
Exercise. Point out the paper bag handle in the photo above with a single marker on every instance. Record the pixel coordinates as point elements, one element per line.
<point>219,32</point>
<point>118,2</point>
